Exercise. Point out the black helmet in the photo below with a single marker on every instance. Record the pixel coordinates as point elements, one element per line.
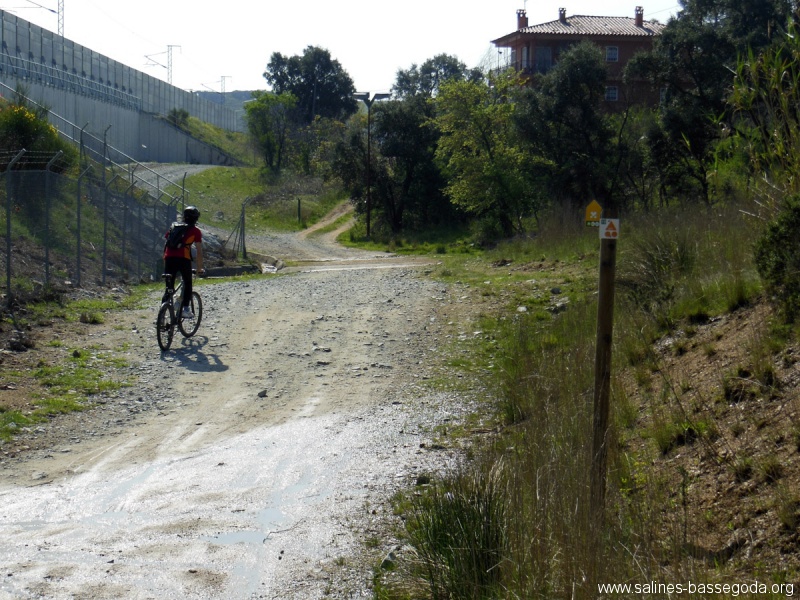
<point>191,215</point>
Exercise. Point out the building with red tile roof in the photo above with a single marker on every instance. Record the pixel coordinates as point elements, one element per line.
<point>536,48</point>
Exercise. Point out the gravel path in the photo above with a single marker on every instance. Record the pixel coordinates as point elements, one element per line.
<point>255,460</point>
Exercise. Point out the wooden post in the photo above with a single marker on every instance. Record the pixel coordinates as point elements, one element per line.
<point>602,378</point>
<point>244,247</point>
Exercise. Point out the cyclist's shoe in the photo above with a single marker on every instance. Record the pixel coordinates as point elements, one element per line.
<point>187,313</point>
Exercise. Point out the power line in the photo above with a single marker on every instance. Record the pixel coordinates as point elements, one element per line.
<point>663,10</point>
<point>40,6</point>
<point>59,13</point>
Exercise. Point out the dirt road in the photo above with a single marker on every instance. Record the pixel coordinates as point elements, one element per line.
<point>255,460</point>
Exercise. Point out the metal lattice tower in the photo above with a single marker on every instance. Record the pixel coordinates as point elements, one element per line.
<point>169,63</point>
<point>61,18</point>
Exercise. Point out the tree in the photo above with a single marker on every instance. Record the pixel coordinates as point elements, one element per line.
<point>320,84</point>
<point>349,161</point>
<point>692,62</point>
<point>490,172</point>
<point>313,146</point>
<point>268,121</point>
<point>561,120</point>
<point>408,182</point>
<point>765,97</point>
<point>777,258</point>
<point>428,78</point>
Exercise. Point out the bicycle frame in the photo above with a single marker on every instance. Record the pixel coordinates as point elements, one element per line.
<point>169,319</point>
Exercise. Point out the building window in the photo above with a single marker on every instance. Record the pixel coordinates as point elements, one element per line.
<point>544,59</point>
<point>612,93</point>
<point>612,54</point>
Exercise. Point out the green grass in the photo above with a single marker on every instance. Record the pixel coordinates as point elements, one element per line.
<point>28,218</point>
<point>236,144</point>
<point>458,530</point>
<point>87,310</point>
<point>12,421</point>
<point>289,206</point>
<point>333,226</point>
<point>272,202</point>
<point>82,374</point>
<point>222,191</point>
<point>67,385</point>
<point>69,381</point>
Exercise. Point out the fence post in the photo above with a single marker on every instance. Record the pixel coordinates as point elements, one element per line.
<point>183,190</point>
<point>80,182</point>
<point>125,260</point>
<point>105,201</point>
<point>47,201</point>
<point>139,247</point>
<point>105,224</point>
<point>154,259</point>
<point>80,193</point>
<point>8,224</point>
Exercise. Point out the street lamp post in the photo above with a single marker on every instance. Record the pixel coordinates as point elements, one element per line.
<point>365,98</point>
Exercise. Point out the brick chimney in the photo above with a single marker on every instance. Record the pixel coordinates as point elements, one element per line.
<point>639,14</point>
<point>562,15</point>
<point>522,19</point>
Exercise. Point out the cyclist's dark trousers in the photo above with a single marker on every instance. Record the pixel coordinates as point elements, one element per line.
<point>184,267</point>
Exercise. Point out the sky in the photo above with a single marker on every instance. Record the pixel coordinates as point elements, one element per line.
<point>226,45</point>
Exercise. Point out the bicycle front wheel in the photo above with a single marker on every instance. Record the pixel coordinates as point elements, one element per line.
<point>189,327</point>
<point>165,327</point>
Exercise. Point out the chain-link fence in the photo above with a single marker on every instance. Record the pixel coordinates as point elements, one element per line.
<point>96,228</point>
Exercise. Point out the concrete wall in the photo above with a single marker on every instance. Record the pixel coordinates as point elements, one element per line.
<point>84,88</point>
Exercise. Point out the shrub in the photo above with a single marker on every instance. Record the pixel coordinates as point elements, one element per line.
<point>23,125</point>
<point>649,276</point>
<point>179,117</point>
<point>777,258</point>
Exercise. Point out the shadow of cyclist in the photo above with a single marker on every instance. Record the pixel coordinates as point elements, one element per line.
<point>190,354</point>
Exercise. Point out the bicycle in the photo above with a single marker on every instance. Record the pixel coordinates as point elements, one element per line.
<point>167,319</point>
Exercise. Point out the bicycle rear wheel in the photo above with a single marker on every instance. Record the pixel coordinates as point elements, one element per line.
<point>165,327</point>
<point>189,327</point>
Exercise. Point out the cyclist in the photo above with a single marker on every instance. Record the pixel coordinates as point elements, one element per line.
<point>179,260</point>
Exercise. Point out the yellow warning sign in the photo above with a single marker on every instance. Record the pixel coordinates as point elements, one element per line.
<point>593,213</point>
<point>609,229</point>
